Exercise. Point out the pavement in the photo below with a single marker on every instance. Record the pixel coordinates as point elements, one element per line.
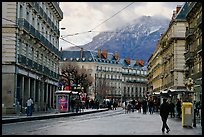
<point>12,118</point>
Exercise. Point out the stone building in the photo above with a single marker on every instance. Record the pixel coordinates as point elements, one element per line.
<point>30,53</point>
<point>119,78</point>
<point>193,54</point>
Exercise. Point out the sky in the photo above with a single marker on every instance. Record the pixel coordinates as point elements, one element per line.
<point>84,20</point>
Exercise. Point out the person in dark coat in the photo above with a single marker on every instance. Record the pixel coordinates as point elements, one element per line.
<point>178,108</point>
<point>144,106</point>
<point>151,106</point>
<point>172,106</point>
<point>164,112</point>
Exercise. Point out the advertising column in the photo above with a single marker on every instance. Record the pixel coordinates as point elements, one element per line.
<point>63,103</point>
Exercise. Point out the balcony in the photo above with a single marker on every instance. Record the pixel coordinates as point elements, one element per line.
<point>199,21</point>
<point>199,48</point>
<point>197,75</point>
<point>24,24</point>
<point>189,56</point>
<point>189,32</point>
<point>190,7</point>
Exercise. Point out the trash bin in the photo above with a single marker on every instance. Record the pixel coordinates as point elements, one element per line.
<point>187,114</point>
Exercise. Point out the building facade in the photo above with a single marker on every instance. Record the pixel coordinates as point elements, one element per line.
<point>193,55</point>
<point>154,70</point>
<point>166,66</point>
<point>180,53</point>
<point>114,78</point>
<point>30,53</point>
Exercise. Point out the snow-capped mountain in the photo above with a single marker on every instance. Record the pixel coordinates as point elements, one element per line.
<point>136,40</point>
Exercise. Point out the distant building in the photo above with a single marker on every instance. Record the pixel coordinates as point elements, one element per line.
<point>114,78</point>
<point>30,53</point>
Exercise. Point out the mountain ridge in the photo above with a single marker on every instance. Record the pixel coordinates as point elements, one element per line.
<point>136,40</point>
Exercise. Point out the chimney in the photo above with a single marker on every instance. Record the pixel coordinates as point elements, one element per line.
<point>141,62</point>
<point>81,51</point>
<point>178,7</point>
<point>99,53</point>
<point>137,62</point>
<point>104,53</point>
<point>174,14</point>
<point>116,55</point>
<point>127,60</point>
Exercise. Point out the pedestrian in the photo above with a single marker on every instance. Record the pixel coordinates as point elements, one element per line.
<point>164,112</point>
<point>21,106</point>
<point>29,106</point>
<point>172,106</point>
<point>178,108</point>
<point>151,106</point>
<point>144,106</point>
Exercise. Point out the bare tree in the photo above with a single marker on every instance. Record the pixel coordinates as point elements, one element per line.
<point>102,89</point>
<point>72,73</point>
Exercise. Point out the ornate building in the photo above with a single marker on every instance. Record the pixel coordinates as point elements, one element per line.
<point>119,78</point>
<point>30,53</point>
<point>193,55</point>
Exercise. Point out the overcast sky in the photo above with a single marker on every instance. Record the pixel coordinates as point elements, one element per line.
<point>79,17</point>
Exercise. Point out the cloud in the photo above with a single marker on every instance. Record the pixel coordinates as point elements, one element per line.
<point>84,16</point>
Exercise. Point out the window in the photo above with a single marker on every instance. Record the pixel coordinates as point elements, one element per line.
<point>27,16</point>
<point>32,53</point>
<point>21,12</point>
<point>37,56</point>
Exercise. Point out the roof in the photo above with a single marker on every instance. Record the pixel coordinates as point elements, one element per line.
<point>92,56</point>
<point>183,11</point>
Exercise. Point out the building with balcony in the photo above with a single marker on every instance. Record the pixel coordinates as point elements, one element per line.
<point>30,53</point>
<point>154,71</point>
<point>193,54</point>
<point>114,77</point>
<point>166,66</point>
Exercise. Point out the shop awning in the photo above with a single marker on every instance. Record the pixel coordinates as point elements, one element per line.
<point>180,91</point>
<point>66,92</point>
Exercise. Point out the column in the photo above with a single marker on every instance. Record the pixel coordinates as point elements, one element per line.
<point>50,96</point>
<point>42,95</point>
<point>34,88</point>
<point>29,89</point>
<point>47,94</point>
<point>53,96</point>
<point>23,92</point>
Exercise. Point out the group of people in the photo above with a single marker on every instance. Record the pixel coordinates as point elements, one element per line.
<point>178,108</point>
<point>146,104</point>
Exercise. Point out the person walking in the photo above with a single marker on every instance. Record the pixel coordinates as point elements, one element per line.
<point>151,106</point>
<point>178,108</point>
<point>164,112</point>
<point>29,107</point>
<point>172,106</point>
<point>144,106</point>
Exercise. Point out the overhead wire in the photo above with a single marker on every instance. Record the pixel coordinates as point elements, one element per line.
<point>100,23</point>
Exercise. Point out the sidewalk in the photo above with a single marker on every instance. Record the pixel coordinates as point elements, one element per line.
<point>12,118</point>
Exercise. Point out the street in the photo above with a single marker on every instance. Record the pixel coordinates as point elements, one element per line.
<point>112,122</point>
